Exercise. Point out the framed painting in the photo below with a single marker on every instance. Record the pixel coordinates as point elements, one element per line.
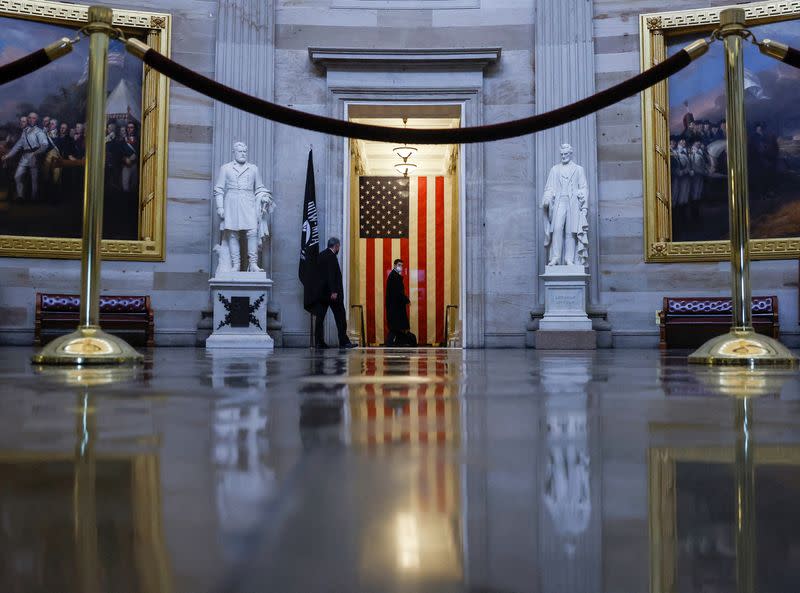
<point>692,513</point>
<point>684,139</point>
<point>42,137</point>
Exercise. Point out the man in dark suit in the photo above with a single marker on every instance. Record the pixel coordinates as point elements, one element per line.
<point>396,311</point>
<point>330,293</point>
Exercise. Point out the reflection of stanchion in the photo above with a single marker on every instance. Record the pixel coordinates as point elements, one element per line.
<point>745,498</point>
<point>742,345</point>
<point>85,497</point>
<point>89,344</point>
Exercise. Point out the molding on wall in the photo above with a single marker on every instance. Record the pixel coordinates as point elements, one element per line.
<point>424,58</point>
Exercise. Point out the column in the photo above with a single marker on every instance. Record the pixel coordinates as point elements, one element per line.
<point>244,61</point>
<point>564,73</point>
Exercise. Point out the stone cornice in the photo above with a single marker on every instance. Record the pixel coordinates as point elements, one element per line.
<point>469,58</point>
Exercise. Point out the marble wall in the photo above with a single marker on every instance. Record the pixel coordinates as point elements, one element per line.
<point>625,286</point>
<point>508,180</point>
<point>630,289</point>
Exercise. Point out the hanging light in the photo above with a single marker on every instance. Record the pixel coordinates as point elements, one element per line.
<point>405,168</point>
<point>405,152</point>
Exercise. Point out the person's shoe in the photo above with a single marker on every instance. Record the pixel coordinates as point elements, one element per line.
<point>349,345</point>
<point>321,346</point>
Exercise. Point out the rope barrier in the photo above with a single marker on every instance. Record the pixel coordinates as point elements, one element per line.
<point>35,60</point>
<point>780,51</point>
<point>466,135</point>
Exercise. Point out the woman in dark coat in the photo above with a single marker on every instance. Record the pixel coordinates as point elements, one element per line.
<point>396,309</point>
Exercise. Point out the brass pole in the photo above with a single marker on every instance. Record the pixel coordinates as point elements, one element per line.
<point>738,198</point>
<point>745,499</point>
<point>89,344</point>
<point>741,345</point>
<point>94,183</point>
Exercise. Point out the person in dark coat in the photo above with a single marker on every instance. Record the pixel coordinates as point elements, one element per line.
<point>396,309</point>
<point>330,293</point>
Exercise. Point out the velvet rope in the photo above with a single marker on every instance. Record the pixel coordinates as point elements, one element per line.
<point>23,66</point>
<point>336,127</point>
<point>792,57</point>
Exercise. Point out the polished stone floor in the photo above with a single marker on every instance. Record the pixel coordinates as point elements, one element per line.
<point>377,471</point>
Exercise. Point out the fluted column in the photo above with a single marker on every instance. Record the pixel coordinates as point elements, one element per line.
<point>245,61</point>
<point>564,72</point>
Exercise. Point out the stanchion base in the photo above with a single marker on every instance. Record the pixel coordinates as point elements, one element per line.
<point>87,345</point>
<point>743,346</point>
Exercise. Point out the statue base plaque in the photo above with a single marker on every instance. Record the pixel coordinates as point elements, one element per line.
<point>565,325</point>
<point>240,310</point>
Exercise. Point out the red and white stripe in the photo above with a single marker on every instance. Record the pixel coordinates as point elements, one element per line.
<point>428,254</point>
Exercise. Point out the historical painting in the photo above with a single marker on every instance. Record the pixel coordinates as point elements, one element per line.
<point>685,141</point>
<point>43,143</point>
<point>693,519</point>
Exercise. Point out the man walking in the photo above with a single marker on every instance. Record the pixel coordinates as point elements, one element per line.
<point>396,309</point>
<point>330,293</point>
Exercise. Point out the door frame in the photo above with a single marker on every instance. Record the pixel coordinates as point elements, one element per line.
<point>346,213</point>
<point>471,198</point>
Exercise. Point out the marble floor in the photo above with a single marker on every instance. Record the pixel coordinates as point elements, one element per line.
<point>378,471</point>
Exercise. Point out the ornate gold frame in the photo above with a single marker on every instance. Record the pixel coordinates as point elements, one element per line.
<point>662,497</point>
<point>155,122</point>
<point>654,28</point>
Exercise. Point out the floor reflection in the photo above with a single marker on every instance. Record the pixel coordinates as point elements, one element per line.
<point>398,471</point>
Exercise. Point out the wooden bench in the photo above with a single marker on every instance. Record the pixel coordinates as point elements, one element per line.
<point>127,316</point>
<point>687,322</point>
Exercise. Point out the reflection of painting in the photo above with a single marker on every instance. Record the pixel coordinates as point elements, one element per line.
<point>706,554</point>
<point>693,519</point>
<point>42,138</point>
<point>698,154</point>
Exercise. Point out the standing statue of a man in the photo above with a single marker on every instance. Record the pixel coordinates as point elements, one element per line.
<point>243,204</point>
<point>565,204</point>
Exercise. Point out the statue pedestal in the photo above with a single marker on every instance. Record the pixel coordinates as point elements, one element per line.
<point>565,325</point>
<point>240,310</point>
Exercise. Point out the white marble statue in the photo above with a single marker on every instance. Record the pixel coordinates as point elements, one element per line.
<point>565,204</point>
<point>243,205</point>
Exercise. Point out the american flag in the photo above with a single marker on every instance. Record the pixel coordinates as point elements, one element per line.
<point>413,219</point>
<point>383,207</point>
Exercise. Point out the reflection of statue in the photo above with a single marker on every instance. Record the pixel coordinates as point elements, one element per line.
<point>565,203</point>
<point>243,204</point>
<point>567,491</point>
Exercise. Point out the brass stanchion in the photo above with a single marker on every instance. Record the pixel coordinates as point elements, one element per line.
<point>89,344</point>
<point>742,345</point>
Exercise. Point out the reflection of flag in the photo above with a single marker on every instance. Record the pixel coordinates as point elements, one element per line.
<point>410,219</point>
<point>309,237</point>
<point>424,416</point>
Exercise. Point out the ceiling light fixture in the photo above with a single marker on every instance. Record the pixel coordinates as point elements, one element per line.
<point>405,152</point>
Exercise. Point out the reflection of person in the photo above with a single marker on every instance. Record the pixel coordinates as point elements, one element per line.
<point>330,293</point>
<point>243,204</point>
<point>32,143</point>
<point>396,311</point>
<point>565,202</point>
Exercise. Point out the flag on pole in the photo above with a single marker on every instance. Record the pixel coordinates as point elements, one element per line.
<point>309,238</point>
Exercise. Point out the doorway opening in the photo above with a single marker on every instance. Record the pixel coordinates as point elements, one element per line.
<point>415,217</point>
